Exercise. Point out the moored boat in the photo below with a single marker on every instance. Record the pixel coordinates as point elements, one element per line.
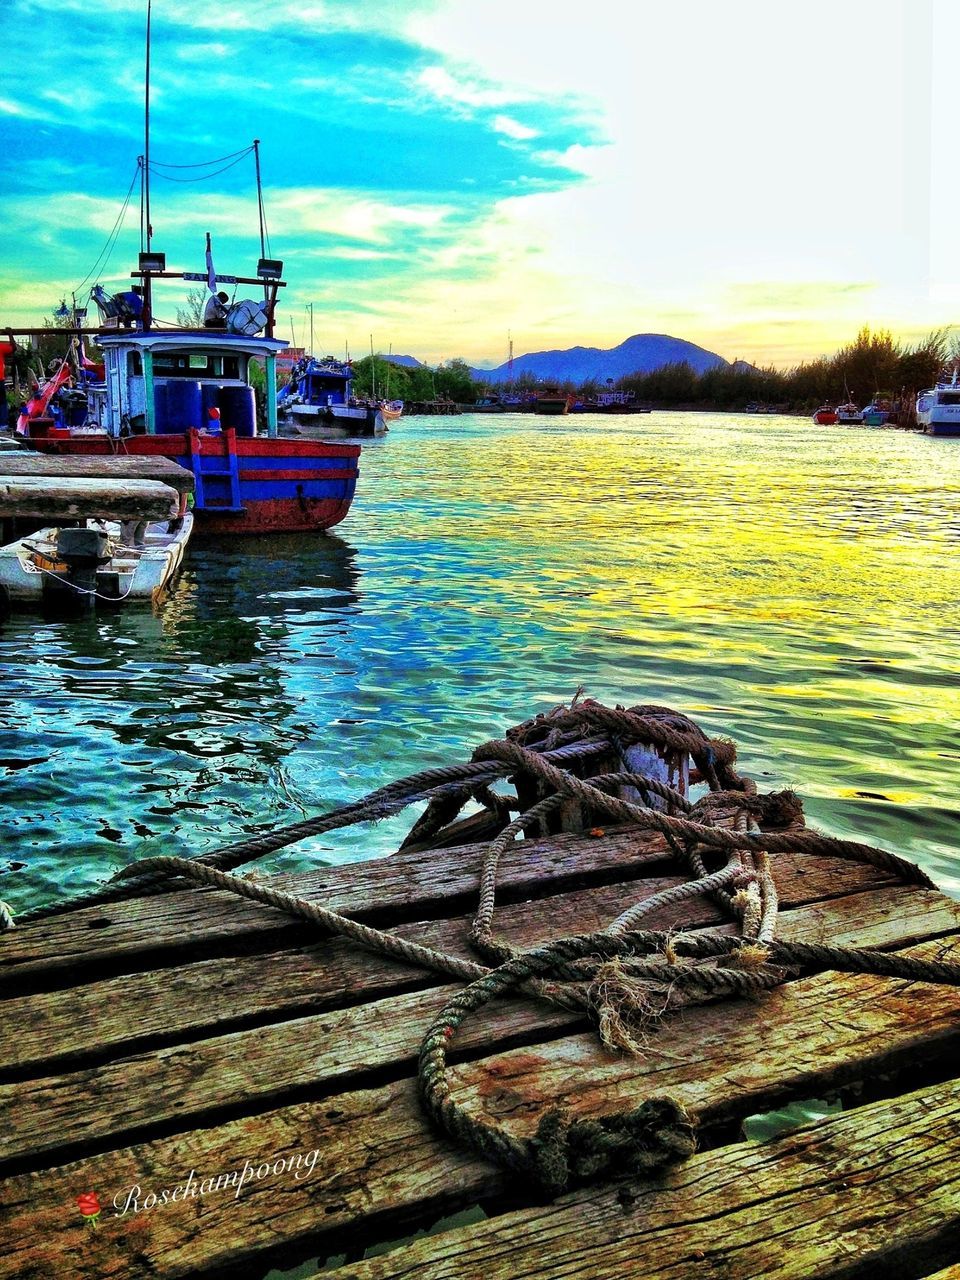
<point>826,415</point>
<point>106,561</point>
<point>849,414</point>
<point>186,394</point>
<point>553,402</point>
<point>319,400</point>
<point>876,413</point>
<point>485,404</point>
<point>938,409</point>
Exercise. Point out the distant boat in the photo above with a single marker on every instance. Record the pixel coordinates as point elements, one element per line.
<point>849,414</point>
<point>826,415</point>
<point>319,398</point>
<point>553,402</point>
<point>103,561</point>
<point>485,404</point>
<point>876,413</point>
<point>938,409</point>
<point>392,410</point>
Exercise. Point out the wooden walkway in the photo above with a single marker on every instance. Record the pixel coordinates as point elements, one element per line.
<point>154,1048</point>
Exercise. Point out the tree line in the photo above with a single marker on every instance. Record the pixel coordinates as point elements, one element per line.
<point>873,364</point>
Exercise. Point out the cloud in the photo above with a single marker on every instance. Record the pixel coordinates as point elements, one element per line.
<point>513,129</point>
<point>439,83</point>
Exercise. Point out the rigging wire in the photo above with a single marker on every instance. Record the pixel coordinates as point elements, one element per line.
<point>107,249</point>
<point>202,177</point>
<point>202,164</point>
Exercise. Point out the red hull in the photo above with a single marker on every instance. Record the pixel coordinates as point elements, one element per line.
<point>294,486</point>
<point>824,418</point>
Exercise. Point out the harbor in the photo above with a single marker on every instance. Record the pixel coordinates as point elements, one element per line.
<point>296,706</point>
<point>485,807</point>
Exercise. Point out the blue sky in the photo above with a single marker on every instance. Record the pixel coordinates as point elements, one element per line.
<point>751,176</point>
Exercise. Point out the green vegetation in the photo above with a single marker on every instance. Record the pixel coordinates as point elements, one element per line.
<point>874,363</point>
<point>450,381</point>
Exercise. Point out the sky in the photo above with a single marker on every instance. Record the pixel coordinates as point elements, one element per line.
<point>757,177</point>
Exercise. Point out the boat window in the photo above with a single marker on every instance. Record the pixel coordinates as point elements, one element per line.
<point>950,397</point>
<point>196,364</point>
<point>134,365</point>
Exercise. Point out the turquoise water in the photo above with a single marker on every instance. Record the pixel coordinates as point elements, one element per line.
<point>791,586</point>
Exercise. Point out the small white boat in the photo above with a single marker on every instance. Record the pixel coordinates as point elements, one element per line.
<point>849,413</point>
<point>938,409</point>
<point>103,560</point>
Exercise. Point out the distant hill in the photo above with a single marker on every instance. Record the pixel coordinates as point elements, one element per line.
<point>408,362</point>
<point>642,353</point>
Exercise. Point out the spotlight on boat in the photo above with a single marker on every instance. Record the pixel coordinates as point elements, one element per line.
<point>153,262</point>
<point>269,269</point>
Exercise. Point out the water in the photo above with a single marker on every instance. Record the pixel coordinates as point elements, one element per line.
<point>791,586</point>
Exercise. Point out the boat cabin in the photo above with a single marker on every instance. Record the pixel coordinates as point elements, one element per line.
<point>161,382</point>
<point>325,383</point>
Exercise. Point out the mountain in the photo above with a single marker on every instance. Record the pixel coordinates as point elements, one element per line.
<point>408,362</point>
<point>642,353</point>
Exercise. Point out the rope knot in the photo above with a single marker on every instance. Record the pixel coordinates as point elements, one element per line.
<point>565,1153</point>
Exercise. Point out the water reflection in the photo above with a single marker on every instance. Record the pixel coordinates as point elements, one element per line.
<point>794,587</point>
<point>131,732</point>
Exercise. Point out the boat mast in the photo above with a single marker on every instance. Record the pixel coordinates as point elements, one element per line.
<point>256,161</point>
<point>147,286</point>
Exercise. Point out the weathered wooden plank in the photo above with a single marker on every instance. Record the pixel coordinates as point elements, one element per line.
<point>340,1050</point>
<point>75,498</point>
<point>875,1192</point>
<point>26,462</point>
<point>380,1166</point>
<point>174,927</point>
<point>101,1016</point>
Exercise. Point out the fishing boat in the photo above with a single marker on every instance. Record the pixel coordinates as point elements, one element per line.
<point>553,402</point>
<point>187,393</point>
<point>849,414</point>
<point>318,401</point>
<point>826,415</point>
<point>485,404</point>
<point>103,561</point>
<point>938,409</point>
<point>392,410</point>
<point>876,413</point>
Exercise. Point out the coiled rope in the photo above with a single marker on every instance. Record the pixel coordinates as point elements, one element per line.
<point>626,978</point>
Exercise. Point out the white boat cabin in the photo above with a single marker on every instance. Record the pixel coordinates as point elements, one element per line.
<point>169,381</point>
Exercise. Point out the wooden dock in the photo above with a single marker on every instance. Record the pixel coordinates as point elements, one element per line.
<point>36,486</point>
<point>155,1047</point>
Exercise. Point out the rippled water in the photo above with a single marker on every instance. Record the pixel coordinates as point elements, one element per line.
<point>794,587</point>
